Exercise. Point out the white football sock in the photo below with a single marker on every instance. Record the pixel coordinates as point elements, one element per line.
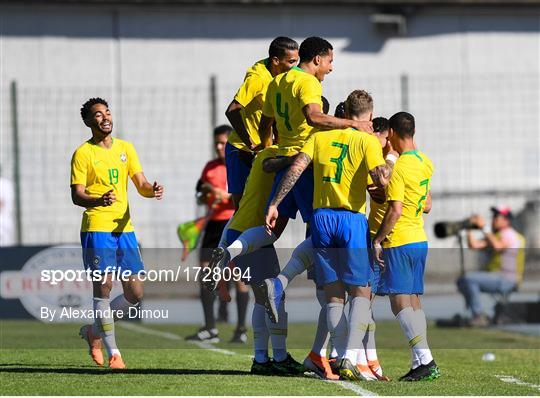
<point>250,240</point>
<point>359,316</point>
<point>413,331</point>
<point>333,353</point>
<point>278,334</point>
<point>105,321</point>
<point>301,259</point>
<point>260,333</point>
<point>420,320</point>
<point>369,341</point>
<point>321,336</point>
<point>120,303</point>
<point>337,326</point>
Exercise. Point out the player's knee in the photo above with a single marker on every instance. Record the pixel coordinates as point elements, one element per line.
<point>134,296</point>
<point>102,289</point>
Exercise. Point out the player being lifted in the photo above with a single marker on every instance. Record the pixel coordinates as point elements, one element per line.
<point>244,112</point>
<point>293,102</point>
<point>100,169</point>
<point>342,159</point>
<point>400,245</point>
<point>261,264</point>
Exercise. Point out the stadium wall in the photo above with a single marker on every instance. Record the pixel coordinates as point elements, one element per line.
<point>469,75</point>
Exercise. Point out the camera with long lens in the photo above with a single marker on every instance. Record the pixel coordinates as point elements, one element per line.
<point>444,229</point>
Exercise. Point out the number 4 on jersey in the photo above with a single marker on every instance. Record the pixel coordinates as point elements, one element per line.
<point>283,113</point>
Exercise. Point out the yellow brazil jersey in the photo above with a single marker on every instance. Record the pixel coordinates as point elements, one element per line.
<point>376,215</point>
<point>341,161</point>
<point>100,170</point>
<point>256,193</point>
<point>251,96</point>
<point>409,184</point>
<point>286,96</point>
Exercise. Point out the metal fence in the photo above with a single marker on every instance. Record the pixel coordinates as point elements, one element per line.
<point>481,131</point>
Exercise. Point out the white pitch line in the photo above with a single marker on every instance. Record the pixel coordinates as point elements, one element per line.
<point>171,336</point>
<point>153,332</point>
<point>354,387</point>
<point>513,380</point>
<point>207,346</point>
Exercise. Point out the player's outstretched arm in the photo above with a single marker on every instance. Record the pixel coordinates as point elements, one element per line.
<point>81,198</point>
<point>315,117</point>
<point>389,221</point>
<point>289,179</point>
<point>145,188</point>
<point>234,114</point>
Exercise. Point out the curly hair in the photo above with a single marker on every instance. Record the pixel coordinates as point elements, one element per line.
<point>380,124</point>
<point>87,106</point>
<point>313,46</point>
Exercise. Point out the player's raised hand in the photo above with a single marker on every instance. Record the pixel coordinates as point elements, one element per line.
<point>158,191</point>
<point>378,254</point>
<point>271,217</point>
<point>366,126</point>
<point>108,198</point>
<point>389,150</point>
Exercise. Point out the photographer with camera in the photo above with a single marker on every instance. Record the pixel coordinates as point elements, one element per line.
<point>504,270</point>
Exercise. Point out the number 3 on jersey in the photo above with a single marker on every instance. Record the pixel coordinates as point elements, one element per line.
<point>423,197</point>
<point>339,163</point>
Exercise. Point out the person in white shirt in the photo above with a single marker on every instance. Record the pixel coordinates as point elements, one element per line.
<point>504,270</point>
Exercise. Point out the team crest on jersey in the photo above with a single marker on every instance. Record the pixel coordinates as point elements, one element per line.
<point>123,157</point>
<point>96,260</point>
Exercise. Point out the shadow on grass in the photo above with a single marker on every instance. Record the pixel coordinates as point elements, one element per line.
<point>96,371</point>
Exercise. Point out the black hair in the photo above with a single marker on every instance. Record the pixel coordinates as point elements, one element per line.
<point>340,110</point>
<point>325,105</point>
<point>223,129</point>
<point>280,45</point>
<point>380,124</point>
<point>87,106</point>
<point>403,124</point>
<point>313,46</point>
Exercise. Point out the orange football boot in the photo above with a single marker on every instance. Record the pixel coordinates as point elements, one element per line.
<point>320,366</point>
<point>116,362</point>
<point>94,344</point>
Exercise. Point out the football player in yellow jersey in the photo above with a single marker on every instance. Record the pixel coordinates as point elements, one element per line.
<point>100,169</point>
<point>342,159</point>
<point>293,101</point>
<point>400,245</point>
<point>260,264</point>
<point>244,112</point>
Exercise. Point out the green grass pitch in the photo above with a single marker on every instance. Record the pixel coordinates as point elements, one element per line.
<point>50,359</point>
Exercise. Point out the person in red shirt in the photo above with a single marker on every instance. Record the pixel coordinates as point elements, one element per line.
<point>212,190</point>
